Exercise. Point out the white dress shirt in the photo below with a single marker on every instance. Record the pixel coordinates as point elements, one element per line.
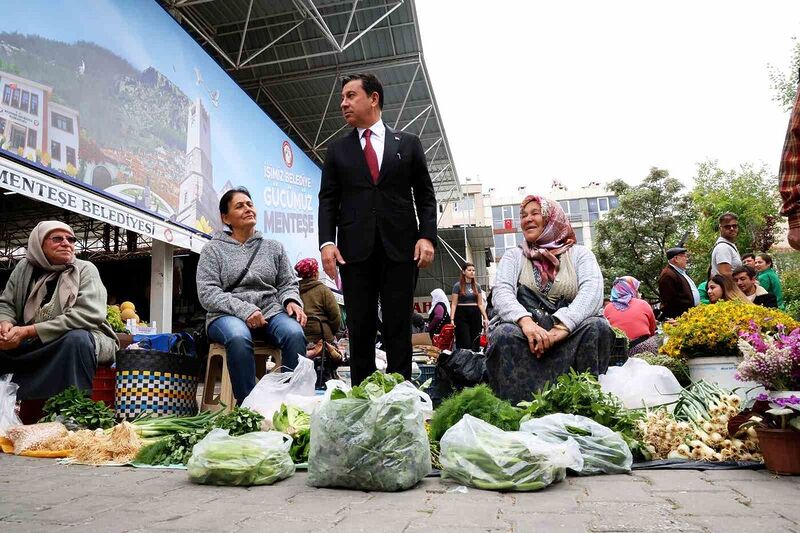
<point>377,139</point>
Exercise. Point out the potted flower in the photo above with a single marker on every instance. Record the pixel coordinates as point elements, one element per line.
<point>707,337</point>
<point>771,359</point>
<point>779,434</point>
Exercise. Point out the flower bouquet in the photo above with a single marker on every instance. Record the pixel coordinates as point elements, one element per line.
<point>713,330</point>
<point>770,359</point>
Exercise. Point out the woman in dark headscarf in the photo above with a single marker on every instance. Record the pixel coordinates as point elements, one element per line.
<point>522,355</point>
<point>628,312</point>
<point>53,327</point>
<point>318,301</point>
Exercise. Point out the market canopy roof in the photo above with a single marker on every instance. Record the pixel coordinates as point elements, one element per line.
<point>289,55</point>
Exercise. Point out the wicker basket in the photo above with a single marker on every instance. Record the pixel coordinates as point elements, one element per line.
<point>160,383</point>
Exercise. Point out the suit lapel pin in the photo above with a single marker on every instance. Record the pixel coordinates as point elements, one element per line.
<point>397,138</point>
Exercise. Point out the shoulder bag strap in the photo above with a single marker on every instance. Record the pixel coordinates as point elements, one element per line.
<point>246,268</point>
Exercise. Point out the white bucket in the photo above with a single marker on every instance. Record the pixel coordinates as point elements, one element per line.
<point>722,371</point>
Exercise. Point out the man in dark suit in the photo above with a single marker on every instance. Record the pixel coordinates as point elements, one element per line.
<point>368,226</point>
<point>676,290</point>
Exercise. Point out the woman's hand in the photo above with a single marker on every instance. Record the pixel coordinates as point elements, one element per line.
<point>297,312</point>
<point>15,336</point>
<point>256,320</point>
<point>539,339</point>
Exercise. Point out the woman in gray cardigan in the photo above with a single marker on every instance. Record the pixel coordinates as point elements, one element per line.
<point>522,355</point>
<point>247,298</point>
<point>53,327</point>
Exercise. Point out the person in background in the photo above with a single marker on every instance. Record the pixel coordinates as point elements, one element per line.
<point>523,356</point>
<point>722,288</point>
<point>246,284</point>
<point>318,301</point>
<point>467,309</point>
<point>440,312</point>
<point>53,327</point>
<point>628,312</point>
<point>745,278</point>
<point>768,278</point>
<point>676,290</point>
<point>749,259</point>
<point>724,254</point>
<point>789,176</point>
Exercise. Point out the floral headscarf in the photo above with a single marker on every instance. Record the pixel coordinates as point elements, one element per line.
<point>307,268</point>
<point>556,238</point>
<point>623,291</point>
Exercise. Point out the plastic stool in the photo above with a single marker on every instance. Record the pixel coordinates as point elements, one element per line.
<point>217,369</point>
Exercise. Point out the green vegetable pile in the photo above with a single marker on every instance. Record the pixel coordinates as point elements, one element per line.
<point>603,451</point>
<point>580,394</point>
<point>478,401</point>
<point>374,386</point>
<point>376,442</point>
<point>178,435</point>
<point>114,317</point>
<point>76,408</point>
<point>259,458</point>
<point>297,424</point>
<point>477,454</point>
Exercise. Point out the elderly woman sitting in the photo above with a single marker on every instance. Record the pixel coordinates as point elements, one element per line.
<point>551,279</point>
<point>53,327</point>
<point>318,301</point>
<point>628,312</point>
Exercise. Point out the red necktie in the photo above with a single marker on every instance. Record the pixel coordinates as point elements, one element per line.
<point>371,156</point>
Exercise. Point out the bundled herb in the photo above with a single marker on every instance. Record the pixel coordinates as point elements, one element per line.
<point>478,401</point>
<point>297,424</point>
<point>603,451</point>
<point>74,407</point>
<point>376,443</point>
<point>374,386</point>
<point>180,434</point>
<point>480,455</point>
<point>580,394</point>
<point>259,458</point>
<point>114,317</point>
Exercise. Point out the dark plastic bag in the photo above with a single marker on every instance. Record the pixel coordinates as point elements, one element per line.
<point>455,371</point>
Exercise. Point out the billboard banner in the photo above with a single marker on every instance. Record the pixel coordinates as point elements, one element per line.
<point>115,97</point>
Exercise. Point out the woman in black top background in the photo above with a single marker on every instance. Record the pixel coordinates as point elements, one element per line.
<point>467,309</point>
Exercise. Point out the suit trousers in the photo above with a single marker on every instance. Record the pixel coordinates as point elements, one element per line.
<point>362,284</point>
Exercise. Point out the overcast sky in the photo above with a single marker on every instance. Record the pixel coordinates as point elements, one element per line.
<point>587,90</point>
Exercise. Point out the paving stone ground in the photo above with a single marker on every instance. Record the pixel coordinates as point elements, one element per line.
<point>42,495</point>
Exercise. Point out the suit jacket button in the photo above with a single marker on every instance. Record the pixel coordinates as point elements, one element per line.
<point>374,211</point>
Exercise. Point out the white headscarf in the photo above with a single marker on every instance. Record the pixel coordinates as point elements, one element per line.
<point>70,278</point>
<point>438,295</point>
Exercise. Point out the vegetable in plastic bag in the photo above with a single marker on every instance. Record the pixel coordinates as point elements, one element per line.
<point>374,443</point>
<point>478,454</point>
<point>8,401</point>
<point>297,424</point>
<point>35,436</point>
<point>260,458</point>
<point>274,389</point>
<point>603,450</point>
<point>639,384</point>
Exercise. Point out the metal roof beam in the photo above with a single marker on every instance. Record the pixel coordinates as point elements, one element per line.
<point>405,99</point>
<point>267,47</point>
<point>244,33</point>
<point>208,39</point>
<point>290,121</point>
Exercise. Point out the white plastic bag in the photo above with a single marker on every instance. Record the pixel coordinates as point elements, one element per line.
<point>604,451</point>
<point>8,402</point>
<point>274,389</point>
<point>478,454</point>
<point>639,384</point>
<point>376,443</point>
<point>259,458</point>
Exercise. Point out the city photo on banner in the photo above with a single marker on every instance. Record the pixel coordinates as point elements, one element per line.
<point>116,97</point>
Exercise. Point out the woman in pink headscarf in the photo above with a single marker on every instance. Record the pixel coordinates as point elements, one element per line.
<point>546,303</point>
<point>628,312</point>
<point>318,301</point>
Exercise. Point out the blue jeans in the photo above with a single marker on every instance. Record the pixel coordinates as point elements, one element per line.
<point>281,330</point>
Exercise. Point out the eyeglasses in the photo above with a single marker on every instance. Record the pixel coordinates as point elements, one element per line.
<point>58,239</point>
<point>730,226</point>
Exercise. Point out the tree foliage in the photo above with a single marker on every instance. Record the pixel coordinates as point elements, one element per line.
<point>783,85</point>
<point>634,237</point>
<point>750,192</point>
